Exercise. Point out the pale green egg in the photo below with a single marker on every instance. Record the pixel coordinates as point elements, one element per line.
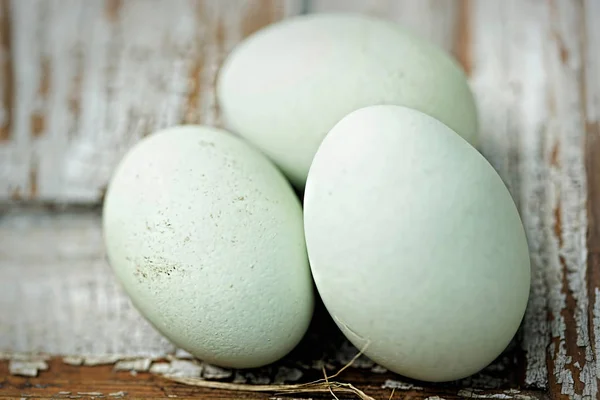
<point>415,244</point>
<point>206,237</point>
<point>285,87</point>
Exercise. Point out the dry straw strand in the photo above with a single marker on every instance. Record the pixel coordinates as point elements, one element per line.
<point>318,386</point>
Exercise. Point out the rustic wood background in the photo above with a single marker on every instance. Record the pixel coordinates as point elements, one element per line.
<point>82,81</point>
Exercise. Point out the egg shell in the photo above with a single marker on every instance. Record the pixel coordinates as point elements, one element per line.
<point>287,85</point>
<point>206,237</point>
<point>415,244</point>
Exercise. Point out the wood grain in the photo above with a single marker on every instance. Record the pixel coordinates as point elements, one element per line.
<point>439,21</point>
<point>527,62</point>
<point>528,68</point>
<point>91,84</point>
<point>66,381</point>
<point>93,77</point>
<point>6,71</point>
<point>58,294</point>
<point>60,297</point>
<point>591,89</point>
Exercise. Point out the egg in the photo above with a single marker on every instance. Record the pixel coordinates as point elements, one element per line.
<point>415,244</point>
<point>206,237</point>
<point>287,85</point>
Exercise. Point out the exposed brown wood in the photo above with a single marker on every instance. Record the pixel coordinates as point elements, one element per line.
<point>592,152</point>
<point>527,75</point>
<point>193,101</point>
<point>221,52</point>
<point>16,194</point>
<point>6,70</point>
<point>45,79</point>
<point>554,158</point>
<point>462,49</point>
<point>263,13</point>
<point>591,98</point>
<point>38,117</point>
<point>38,124</point>
<point>33,178</point>
<point>66,381</point>
<point>113,7</point>
<point>573,370</point>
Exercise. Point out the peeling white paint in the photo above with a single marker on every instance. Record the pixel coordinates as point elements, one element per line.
<point>210,371</point>
<point>508,394</point>
<point>592,92</point>
<point>508,79</point>
<point>101,359</point>
<point>378,369</point>
<point>527,78</point>
<point>470,394</point>
<point>160,368</point>
<point>394,384</point>
<point>182,354</point>
<point>26,368</point>
<point>73,360</point>
<point>565,66</point>
<point>139,365</point>
<point>596,324</point>
<point>185,368</point>
<point>100,79</point>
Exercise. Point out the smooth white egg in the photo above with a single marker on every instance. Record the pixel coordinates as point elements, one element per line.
<point>415,244</point>
<point>206,237</point>
<point>287,85</point>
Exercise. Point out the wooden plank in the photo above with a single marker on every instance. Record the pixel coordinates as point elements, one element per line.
<point>528,65</point>
<point>81,81</point>
<point>474,34</point>
<point>527,61</point>
<point>60,297</point>
<point>534,67</point>
<point>508,78</point>
<point>437,20</point>
<point>66,381</point>
<point>58,294</point>
<point>592,146</point>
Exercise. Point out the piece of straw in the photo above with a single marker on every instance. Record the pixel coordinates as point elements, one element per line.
<point>318,386</point>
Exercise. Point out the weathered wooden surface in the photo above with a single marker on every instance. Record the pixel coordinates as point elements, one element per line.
<point>534,67</point>
<point>61,298</point>
<point>63,381</point>
<point>58,294</point>
<point>81,81</point>
<point>528,65</point>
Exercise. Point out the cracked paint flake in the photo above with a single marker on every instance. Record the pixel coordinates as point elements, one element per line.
<point>139,365</point>
<point>26,367</point>
<point>394,384</point>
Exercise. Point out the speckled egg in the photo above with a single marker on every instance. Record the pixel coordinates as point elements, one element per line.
<point>206,237</point>
<point>285,87</point>
<point>415,244</point>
